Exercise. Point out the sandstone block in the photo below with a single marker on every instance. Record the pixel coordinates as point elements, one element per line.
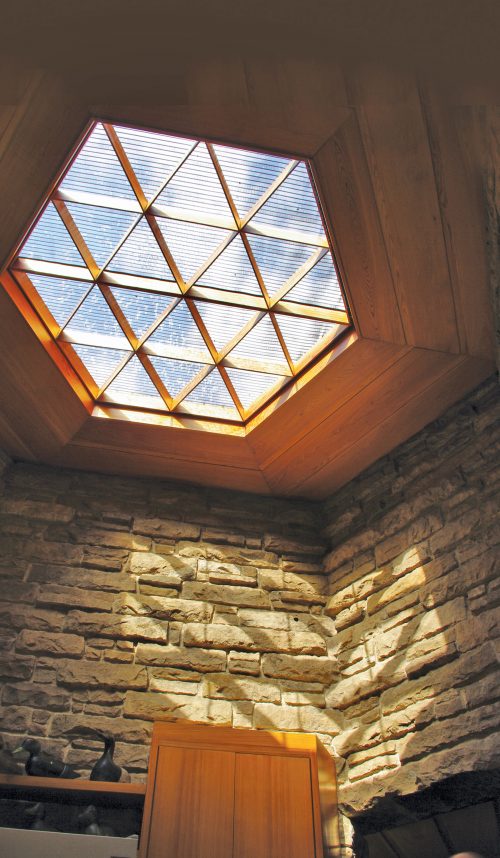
<point>409,583</point>
<point>283,544</point>
<point>37,510</point>
<point>224,687</point>
<point>301,598</point>
<point>166,529</point>
<point>273,620</point>
<point>300,668</point>
<point>225,595</point>
<point>304,698</point>
<point>89,579</point>
<point>253,640</point>
<point>122,729</point>
<point>18,591</point>
<point>229,554</point>
<point>37,696</point>
<point>302,718</point>
<point>13,667</point>
<point>55,643</point>
<point>55,596</point>
<point>244,662</point>
<point>182,610</point>
<point>173,568</point>
<point>235,578</point>
<point>116,626</point>
<point>111,538</point>
<point>91,674</point>
<point>204,660</point>
<point>172,686</point>
<point>171,707</point>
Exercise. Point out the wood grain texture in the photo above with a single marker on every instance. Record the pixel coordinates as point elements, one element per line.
<point>346,192</point>
<point>398,153</point>
<point>273,810</point>
<point>192,810</point>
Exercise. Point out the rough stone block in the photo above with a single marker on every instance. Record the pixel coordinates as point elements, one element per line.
<point>244,662</point>
<point>302,718</point>
<point>13,667</point>
<point>116,626</point>
<point>254,640</point>
<point>92,674</point>
<point>172,707</point>
<point>182,610</point>
<point>55,596</point>
<point>122,729</point>
<point>173,568</point>
<point>300,668</point>
<point>37,510</point>
<point>225,595</point>
<point>224,687</point>
<point>55,643</point>
<point>37,696</point>
<point>166,529</point>
<point>204,660</point>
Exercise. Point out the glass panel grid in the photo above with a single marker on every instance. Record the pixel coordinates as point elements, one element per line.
<point>192,218</point>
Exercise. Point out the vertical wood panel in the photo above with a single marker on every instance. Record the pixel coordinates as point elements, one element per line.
<point>273,808</point>
<point>192,806</point>
<point>397,149</point>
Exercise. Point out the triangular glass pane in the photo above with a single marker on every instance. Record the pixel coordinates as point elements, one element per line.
<point>140,254</point>
<point>278,260</point>
<point>97,170</point>
<point>153,156</point>
<point>190,244</point>
<point>250,386</point>
<point>61,296</point>
<point>232,270</point>
<point>50,241</point>
<point>293,206</point>
<point>102,229</point>
<point>141,309</point>
<point>101,363</point>
<point>301,335</point>
<point>211,391</point>
<point>223,322</point>
<point>319,288</point>
<point>133,384</point>
<point>95,317</point>
<point>179,330</point>
<point>262,344</point>
<point>175,374</point>
<point>196,187</point>
<point>248,174</point>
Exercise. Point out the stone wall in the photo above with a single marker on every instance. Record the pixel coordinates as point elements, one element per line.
<point>415,593</point>
<point>371,620</point>
<point>125,601</point>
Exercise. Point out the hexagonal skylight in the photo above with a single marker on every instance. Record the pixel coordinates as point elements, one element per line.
<point>179,276</point>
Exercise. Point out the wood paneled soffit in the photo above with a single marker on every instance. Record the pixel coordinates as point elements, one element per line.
<point>400,173</point>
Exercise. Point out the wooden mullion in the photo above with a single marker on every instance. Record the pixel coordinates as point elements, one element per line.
<point>266,397</point>
<point>310,356</point>
<point>224,296</point>
<point>290,167</point>
<point>174,172</point>
<point>166,251</point>
<point>279,233</point>
<point>193,217</point>
<point>155,378</point>
<point>299,275</point>
<point>24,282</point>
<point>307,311</point>
<point>225,186</point>
<point>127,166</point>
<point>214,354</point>
<point>191,385</point>
<point>80,368</point>
<point>255,365</point>
<point>151,285</point>
<point>241,334</point>
<point>158,321</point>
<point>282,343</point>
<point>256,270</point>
<point>118,314</point>
<point>76,237</point>
<point>52,269</point>
<point>206,265</point>
<point>230,386</point>
<point>121,243</point>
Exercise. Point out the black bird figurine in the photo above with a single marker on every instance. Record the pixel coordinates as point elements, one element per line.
<point>88,818</point>
<point>43,765</point>
<point>37,812</point>
<point>105,769</point>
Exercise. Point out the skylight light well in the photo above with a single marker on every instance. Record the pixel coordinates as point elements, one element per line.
<point>183,277</point>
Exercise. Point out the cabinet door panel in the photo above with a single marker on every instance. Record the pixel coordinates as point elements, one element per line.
<point>193,804</point>
<point>273,807</point>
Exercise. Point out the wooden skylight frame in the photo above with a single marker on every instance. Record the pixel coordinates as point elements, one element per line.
<point>240,234</point>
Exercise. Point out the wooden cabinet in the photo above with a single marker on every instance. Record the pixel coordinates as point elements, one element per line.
<point>216,792</point>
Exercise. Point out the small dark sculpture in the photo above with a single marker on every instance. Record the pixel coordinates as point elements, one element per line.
<point>37,813</point>
<point>105,769</point>
<point>88,821</point>
<point>43,765</point>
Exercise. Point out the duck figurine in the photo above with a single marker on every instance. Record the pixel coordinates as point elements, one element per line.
<point>37,814</point>
<point>43,765</point>
<point>88,821</point>
<point>105,768</point>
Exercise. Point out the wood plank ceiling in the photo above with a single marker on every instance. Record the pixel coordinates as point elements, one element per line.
<point>399,165</point>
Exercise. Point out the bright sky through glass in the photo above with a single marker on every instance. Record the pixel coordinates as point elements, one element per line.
<point>181,276</point>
